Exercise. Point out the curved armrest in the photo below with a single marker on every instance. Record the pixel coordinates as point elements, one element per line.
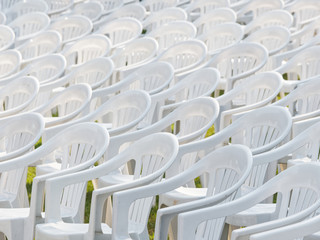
<point>244,233</point>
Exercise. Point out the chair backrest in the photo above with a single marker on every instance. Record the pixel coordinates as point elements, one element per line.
<point>19,134</point>
<point>133,55</point>
<point>191,121</point>
<point>95,72</point>
<point>199,83</point>
<point>86,49</point>
<point>274,38</point>
<point>56,7</point>
<point>213,18</point>
<point>256,91</point>
<point>173,32</point>
<point>221,37</point>
<point>121,30</point>
<point>72,28</point>
<point>65,105</point>
<point>110,6</point>
<point>239,61</point>
<point>184,55</point>
<point>17,95</point>
<point>277,17</point>
<point>29,25</point>
<point>303,65</point>
<point>20,8</point>
<point>44,43</point>
<point>303,101</point>
<point>47,68</point>
<point>7,37</point>
<point>10,61</point>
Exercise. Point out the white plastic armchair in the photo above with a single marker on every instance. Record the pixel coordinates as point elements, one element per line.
<point>221,36</point>
<point>185,57</point>
<point>274,38</point>
<point>17,95</point>
<point>95,72</point>
<point>156,19</point>
<point>18,135</point>
<point>7,37</point>
<point>300,67</point>
<point>47,42</point>
<point>29,25</point>
<point>86,49</point>
<point>46,69</point>
<point>202,82</point>
<point>173,32</point>
<point>227,169</point>
<point>66,105</point>
<point>23,7</point>
<point>121,30</point>
<point>293,186</point>
<point>257,91</point>
<point>152,155</point>
<point>237,62</point>
<point>132,56</point>
<point>213,18</point>
<point>72,28</point>
<point>81,145</point>
<point>302,147</point>
<point>277,17</point>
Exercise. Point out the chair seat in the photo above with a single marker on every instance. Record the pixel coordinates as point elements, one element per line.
<point>182,195</point>
<point>48,168</point>
<point>113,179</point>
<point>257,214</point>
<point>61,230</point>
<point>14,213</point>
